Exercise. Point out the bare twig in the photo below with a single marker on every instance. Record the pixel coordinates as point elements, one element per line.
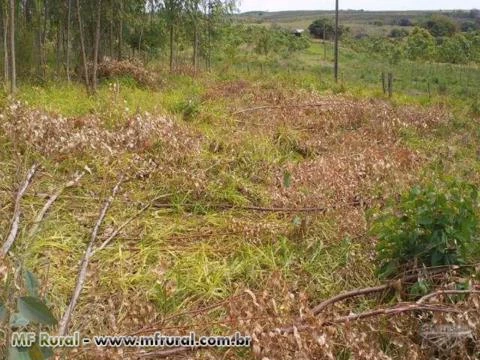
<point>82,274</point>
<point>320,307</point>
<point>48,204</point>
<point>440,268</point>
<point>248,208</point>
<point>447,292</point>
<point>275,209</point>
<point>124,225</point>
<point>366,291</point>
<point>401,308</point>
<point>17,212</point>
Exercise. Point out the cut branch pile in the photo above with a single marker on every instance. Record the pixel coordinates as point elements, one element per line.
<point>316,323</point>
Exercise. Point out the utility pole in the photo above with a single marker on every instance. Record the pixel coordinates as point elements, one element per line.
<point>325,41</point>
<point>336,40</point>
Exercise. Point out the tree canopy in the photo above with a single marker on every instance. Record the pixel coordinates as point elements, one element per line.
<point>324,28</point>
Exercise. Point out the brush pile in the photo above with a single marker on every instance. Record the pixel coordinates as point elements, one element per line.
<point>111,69</point>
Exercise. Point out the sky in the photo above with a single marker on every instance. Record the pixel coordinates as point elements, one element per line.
<point>277,5</point>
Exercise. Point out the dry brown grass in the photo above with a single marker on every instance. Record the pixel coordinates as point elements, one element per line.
<point>346,154</point>
<point>112,69</point>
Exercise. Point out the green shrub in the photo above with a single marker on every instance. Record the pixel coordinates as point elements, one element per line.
<point>189,109</point>
<point>430,226</point>
<point>325,26</point>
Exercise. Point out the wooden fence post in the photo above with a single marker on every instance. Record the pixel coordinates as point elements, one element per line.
<point>384,83</point>
<point>390,84</point>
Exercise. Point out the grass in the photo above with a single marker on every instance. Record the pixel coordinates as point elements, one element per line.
<point>113,98</point>
<point>172,263</point>
<point>360,75</point>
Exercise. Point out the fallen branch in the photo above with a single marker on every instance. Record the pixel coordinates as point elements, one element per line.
<point>247,208</point>
<point>82,274</point>
<point>265,107</point>
<point>41,215</point>
<point>371,290</point>
<point>124,225</point>
<point>392,285</point>
<point>441,268</point>
<point>447,292</point>
<point>399,309</point>
<point>395,284</point>
<point>17,212</point>
<point>396,310</point>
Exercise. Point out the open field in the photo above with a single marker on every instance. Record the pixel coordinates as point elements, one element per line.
<point>361,73</point>
<point>343,156</point>
<point>243,199</point>
<point>360,22</point>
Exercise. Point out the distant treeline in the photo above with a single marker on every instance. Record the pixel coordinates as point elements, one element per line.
<point>68,38</point>
<point>435,38</point>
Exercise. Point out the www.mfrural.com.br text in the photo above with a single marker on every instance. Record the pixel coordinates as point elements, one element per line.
<point>158,340</point>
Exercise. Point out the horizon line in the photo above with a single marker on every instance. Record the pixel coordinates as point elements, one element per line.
<point>365,10</point>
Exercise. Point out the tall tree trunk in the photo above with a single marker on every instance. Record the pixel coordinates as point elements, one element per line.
<point>97,46</point>
<point>13,70</point>
<point>140,39</point>
<point>58,56</point>
<point>171,46</point>
<point>82,47</point>
<point>36,23</point>
<point>120,33</point>
<point>5,43</point>
<point>43,55</point>
<point>69,18</point>
<point>195,49</point>
<point>110,40</point>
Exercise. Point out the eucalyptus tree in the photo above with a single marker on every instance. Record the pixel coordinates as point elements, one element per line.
<point>5,47</point>
<point>217,14</point>
<point>194,15</point>
<point>173,11</point>
<point>12,59</point>
<point>72,37</point>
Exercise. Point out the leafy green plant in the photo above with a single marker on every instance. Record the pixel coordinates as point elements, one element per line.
<point>188,108</point>
<point>324,28</point>
<point>430,226</point>
<point>420,45</point>
<point>26,313</point>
